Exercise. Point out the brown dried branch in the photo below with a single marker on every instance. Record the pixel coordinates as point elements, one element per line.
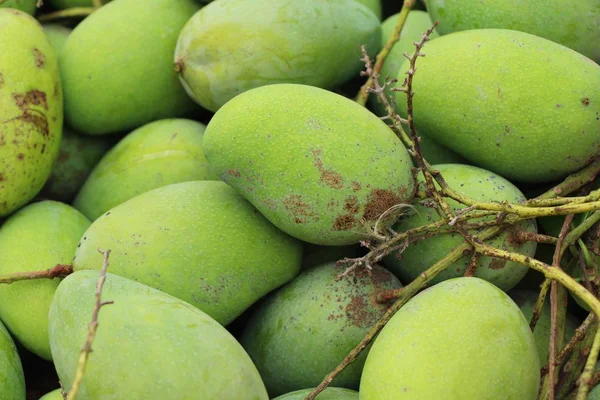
<point>472,267</point>
<point>58,271</point>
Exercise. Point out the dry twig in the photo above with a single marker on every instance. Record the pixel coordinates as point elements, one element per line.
<point>58,271</point>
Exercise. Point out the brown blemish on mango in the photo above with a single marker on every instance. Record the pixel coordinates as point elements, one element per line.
<point>40,59</point>
<point>301,211</point>
<point>328,176</point>
<point>378,202</point>
<point>344,222</point>
<point>497,264</point>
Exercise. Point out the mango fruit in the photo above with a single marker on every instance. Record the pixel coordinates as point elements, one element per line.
<point>497,97</point>
<point>460,339</point>
<point>301,332</point>
<point>576,26</point>
<point>154,155</point>
<point>27,6</point>
<point>177,351</point>
<point>373,5</point>
<point>331,393</point>
<point>198,241</point>
<point>480,185</point>
<point>232,46</point>
<point>12,380</point>
<point>54,395</point>
<point>57,36</point>
<point>31,109</point>
<point>37,237</point>
<point>325,176</point>
<point>117,69</point>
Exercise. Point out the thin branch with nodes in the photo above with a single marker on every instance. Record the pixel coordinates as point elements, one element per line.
<point>58,271</point>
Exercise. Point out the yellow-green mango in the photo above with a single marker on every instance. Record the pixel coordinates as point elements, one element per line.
<point>316,164</point>
<point>12,380</point>
<point>301,332</point>
<point>37,237</point>
<point>117,69</point>
<point>28,6</point>
<point>31,109</point>
<point>331,393</point>
<point>54,395</point>
<point>460,339</point>
<point>149,345</point>
<point>480,185</point>
<point>574,24</point>
<point>154,155</point>
<point>57,36</point>
<point>497,97</point>
<point>231,46</point>
<point>198,241</point>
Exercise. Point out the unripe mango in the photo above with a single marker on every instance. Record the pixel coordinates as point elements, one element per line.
<point>497,97</point>
<point>27,6</point>
<point>155,155</point>
<point>31,109</point>
<point>231,46</point>
<point>575,24</point>
<point>325,175</point>
<point>11,371</point>
<point>149,345</point>
<point>460,339</point>
<point>373,5</point>
<point>198,241</point>
<point>54,395</point>
<point>331,393</point>
<point>117,69</point>
<point>57,36</point>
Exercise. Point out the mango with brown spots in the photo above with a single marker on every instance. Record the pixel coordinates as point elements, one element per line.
<point>316,164</point>
<point>31,109</point>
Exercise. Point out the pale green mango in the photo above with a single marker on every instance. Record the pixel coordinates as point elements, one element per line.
<point>574,24</point>
<point>155,155</point>
<point>54,395</point>
<point>231,46</point>
<point>304,330</point>
<point>62,4</point>
<point>461,339</point>
<point>149,345</point>
<point>373,5</point>
<point>117,69</point>
<point>497,97</point>
<point>28,6</point>
<point>31,109</point>
<point>325,175</point>
<point>57,36</point>
<point>330,393</point>
<point>480,185</point>
<point>38,237</point>
<point>12,380</point>
<point>198,241</point>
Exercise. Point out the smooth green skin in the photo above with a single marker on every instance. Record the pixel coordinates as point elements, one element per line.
<point>117,69</point>
<point>157,154</point>
<point>57,36</point>
<point>37,237</point>
<point>27,6</point>
<point>12,380</point>
<point>498,98</point>
<point>526,299</point>
<point>480,185</point>
<point>198,241</point>
<point>373,5</point>
<point>575,25</point>
<point>316,175</point>
<point>62,4</point>
<point>301,332</point>
<point>330,393</point>
<point>149,345</point>
<point>460,339</point>
<point>78,156</point>
<point>54,395</point>
<point>31,115</point>
<point>232,46</point>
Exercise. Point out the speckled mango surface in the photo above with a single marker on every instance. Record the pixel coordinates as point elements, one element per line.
<point>325,175</point>
<point>31,109</point>
<point>330,393</point>
<point>231,46</point>
<point>460,339</point>
<point>516,104</point>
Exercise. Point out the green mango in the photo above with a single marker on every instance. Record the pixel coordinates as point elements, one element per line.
<point>460,339</point>
<point>63,4</point>
<point>300,333</point>
<point>155,155</point>
<point>480,185</point>
<point>325,176</point>
<point>497,97</point>
<point>198,241</point>
<point>117,69</point>
<point>11,370</point>
<point>330,393</point>
<point>28,6</point>
<point>232,46</point>
<point>54,395</point>
<point>78,156</point>
<point>575,24</point>
<point>373,5</point>
<point>37,237</point>
<point>31,109</point>
<point>149,345</point>
<point>57,36</point>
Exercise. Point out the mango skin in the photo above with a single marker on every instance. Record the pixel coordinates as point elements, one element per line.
<point>31,109</point>
<point>12,380</point>
<point>460,339</point>
<point>54,395</point>
<point>37,237</point>
<point>198,241</point>
<point>373,5</point>
<point>497,97</point>
<point>27,6</point>
<point>576,25</point>
<point>331,393</point>
<point>232,46</point>
<point>177,351</point>
<point>154,155</point>
<point>300,333</point>
<point>57,36</point>
<point>101,95</point>
<point>316,175</point>
<point>480,185</point>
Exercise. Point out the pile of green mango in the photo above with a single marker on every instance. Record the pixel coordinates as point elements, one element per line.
<point>207,164</point>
